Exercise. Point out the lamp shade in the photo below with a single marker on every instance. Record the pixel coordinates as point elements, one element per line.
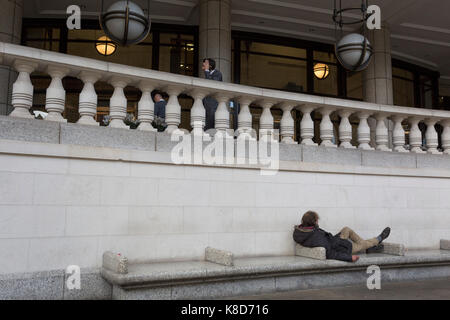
<point>321,71</point>
<point>354,52</point>
<point>124,22</point>
<point>105,46</point>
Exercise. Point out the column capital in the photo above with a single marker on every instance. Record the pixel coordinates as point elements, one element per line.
<point>174,90</point>
<point>198,93</point>
<point>307,108</point>
<point>89,76</point>
<point>119,82</point>
<point>57,71</point>
<point>147,85</point>
<point>22,65</point>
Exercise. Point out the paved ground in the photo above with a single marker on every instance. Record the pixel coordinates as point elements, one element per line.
<point>417,290</point>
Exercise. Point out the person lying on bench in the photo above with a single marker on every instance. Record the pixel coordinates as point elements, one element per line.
<point>338,247</point>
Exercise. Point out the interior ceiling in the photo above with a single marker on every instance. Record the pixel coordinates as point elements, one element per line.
<point>420,30</point>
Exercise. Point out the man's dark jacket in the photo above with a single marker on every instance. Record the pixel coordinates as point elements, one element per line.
<point>337,248</point>
<point>209,102</point>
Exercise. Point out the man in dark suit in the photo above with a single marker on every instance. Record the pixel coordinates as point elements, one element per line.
<point>211,73</point>
<point>160,106</point>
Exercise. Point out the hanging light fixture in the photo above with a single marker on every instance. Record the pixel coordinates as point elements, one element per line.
<point>353,50</point>
<point>125,22</point>
<point>105,46</point>
<point>321,71</point>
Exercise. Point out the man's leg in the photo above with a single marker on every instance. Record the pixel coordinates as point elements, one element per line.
<point>359,244</point>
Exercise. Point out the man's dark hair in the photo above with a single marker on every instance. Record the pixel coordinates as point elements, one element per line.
<point>310,219</point>
<point>212,63</point>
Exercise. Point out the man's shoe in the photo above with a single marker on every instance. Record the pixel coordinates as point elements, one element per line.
<point>376,249</point>
<point>384,234</point>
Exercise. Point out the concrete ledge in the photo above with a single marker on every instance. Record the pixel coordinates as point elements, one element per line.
<point>221,257</point>
<point>51,285</point>
<point>12,128</point>
<point>388,159</point>
<point>445,244</point>
<point>395,249</point>
<point>48,285</point>
<point>107,137</point>
<point>433,161</point>
<point>115,262</point>
<point>331,155</point>
<point>318,253</point>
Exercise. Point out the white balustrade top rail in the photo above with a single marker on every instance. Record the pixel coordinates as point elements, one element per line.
<point>26,60</point>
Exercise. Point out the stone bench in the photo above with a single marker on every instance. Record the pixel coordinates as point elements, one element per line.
<point>247,276</point>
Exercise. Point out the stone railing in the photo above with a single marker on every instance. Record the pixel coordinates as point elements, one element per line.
<point>26,60</point>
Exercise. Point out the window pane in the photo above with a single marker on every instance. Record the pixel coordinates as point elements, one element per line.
<point>137,55</point>
<point>177,58</point>
<point>397,72</point>
<point>45,45</point>
<point>403,92</point>
<point>329,85</point>
<point>42,33</point>
<point>324,56</point>
<point>355,85</point>
<point>273,49</point>
<point>273,72</point>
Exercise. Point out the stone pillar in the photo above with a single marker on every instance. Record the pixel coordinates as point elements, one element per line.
<point>215,35</point>
<point>146,107</point>
<point>326,128</point>
<point>10,31</point>
<point>287,124</point>
<point>88,99</point>
<point>198,113</point>
<point>345,130</point>
<point>364,131</point>
<point>307,126</point>
<point>245,119</point>
<point>377,78</point>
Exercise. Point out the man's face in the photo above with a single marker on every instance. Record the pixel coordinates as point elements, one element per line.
<point>158,97</point>
<point>205,65</point>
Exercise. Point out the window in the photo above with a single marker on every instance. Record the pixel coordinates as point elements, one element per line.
<point>272,66</point>
<point>82,43</point>
<point>403,86</point>
<point>329,85</point>
<point>177,53</point>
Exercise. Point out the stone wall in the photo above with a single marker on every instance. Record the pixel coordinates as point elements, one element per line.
<point>65,204</point>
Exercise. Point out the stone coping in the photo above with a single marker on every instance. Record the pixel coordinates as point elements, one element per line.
<point>171,273</point>
<point>47,138</point>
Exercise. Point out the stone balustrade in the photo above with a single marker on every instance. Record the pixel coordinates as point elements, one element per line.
<point>26,60</point>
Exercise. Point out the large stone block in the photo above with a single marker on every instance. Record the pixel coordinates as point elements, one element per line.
<point>107,137</point>
<point>48,285</point>
<point>290,152</point>
<point>318,253</point>
<point>12,128</point>
<point>331,155</point>
<point>445,244</point>
<point>219,256</point>
<point>388,159</point>
<point>433,161</point>
<point>395,249</point>
<point>115,262</point>
<point>92,287</point>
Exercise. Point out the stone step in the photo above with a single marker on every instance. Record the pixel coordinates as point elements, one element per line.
<point>206,280</point>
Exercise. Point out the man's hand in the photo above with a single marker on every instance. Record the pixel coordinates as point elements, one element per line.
<point>355,258</point>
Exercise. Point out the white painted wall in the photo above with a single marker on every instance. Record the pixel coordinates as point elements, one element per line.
<point>60,211</point>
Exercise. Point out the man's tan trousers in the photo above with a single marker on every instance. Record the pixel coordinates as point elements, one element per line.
<point>359,244</point>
